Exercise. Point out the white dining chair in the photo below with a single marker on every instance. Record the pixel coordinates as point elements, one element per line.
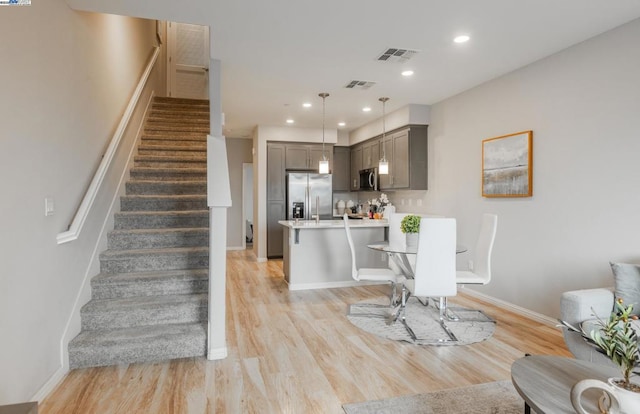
<point>435,274</point>
<point>481,273</point>
<point>370,274</point>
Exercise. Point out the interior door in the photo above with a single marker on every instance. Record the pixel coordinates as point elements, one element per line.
<point>188,61</point>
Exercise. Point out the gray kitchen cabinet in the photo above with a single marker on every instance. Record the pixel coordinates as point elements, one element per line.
<point>297,157</point>
<point>305,156</point>
<point>406,151</point>
<point>276,194</point>
<point>371,153</point>
<point>275,172</point>
<point>341,169</point>
<point>356,166</point>
<point>275,212</point>
<point>315,155</point>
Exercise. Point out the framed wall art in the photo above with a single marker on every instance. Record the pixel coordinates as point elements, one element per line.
<point>507,165</point>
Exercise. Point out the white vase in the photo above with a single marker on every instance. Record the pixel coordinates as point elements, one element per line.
<point>412,240</point>
<point>622,401</point>
<point>388,211</point>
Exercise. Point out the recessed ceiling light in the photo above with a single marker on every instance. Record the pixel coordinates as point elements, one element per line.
<point>306,105</point>
<point>366,109</point>
<point>341,124</point>
<point>407,72</point>
<point>290,121</point>
<point>461,39</point>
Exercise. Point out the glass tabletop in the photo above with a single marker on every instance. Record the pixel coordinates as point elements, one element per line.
<point>384,246</point>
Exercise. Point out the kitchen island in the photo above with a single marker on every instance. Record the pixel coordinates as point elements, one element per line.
<point>316,255</point>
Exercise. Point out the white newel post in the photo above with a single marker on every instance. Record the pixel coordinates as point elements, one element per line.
<point>218,200</point>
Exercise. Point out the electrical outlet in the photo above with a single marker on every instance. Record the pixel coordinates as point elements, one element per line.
<point>419,202</point>
<point>410,202</point>
<point>402,201</point>
<point>470,264</point>
<point>49,206</point>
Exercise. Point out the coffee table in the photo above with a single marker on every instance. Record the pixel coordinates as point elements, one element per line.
<point>544,382</point>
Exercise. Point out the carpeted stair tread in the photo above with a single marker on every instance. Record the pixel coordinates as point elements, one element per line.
<point>166,258</point>
<point>167,219</point>
<point>163,202</point>
<point>133,284</point>
<point>169,146</point>
<point>140,344</point>
<point>144,311</point>
<point>176,128</point>
<point>174,152</point>
<point>158,114</point>
<point>170,135</point>
<point>148,304</point>
<point>168,99</point>
<point>167,158</point>
<point>159,187</point>
<point>137,284</point>
<point>172,142</point>
<point>124,254</point>
<point>168,174</point>
<point>155,120</point>
<point>157,238</point>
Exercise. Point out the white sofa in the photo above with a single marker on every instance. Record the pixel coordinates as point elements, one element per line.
<point>578,306</point>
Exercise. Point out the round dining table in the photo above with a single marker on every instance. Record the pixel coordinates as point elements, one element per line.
<point>400,254</point>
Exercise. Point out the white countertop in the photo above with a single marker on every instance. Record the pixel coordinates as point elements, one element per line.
<point>333,224</point>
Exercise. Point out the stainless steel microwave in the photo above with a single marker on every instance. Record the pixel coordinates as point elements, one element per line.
<point>369,180</point>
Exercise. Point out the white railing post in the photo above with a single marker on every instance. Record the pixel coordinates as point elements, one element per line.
<point>218,200</point>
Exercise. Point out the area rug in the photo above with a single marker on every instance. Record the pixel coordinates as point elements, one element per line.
<point>423,320</point>
<point>490,398</point>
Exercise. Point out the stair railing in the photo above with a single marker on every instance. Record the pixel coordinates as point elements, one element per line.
<point>75,228</point>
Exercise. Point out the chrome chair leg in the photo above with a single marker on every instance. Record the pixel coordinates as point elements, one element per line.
<point>443,317</point>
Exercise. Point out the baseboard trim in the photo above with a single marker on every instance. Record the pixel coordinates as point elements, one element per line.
<point>50,385</point>
<point>216,354</point>
<point>538,317</point>
<point>235,248</point>
<point>330,285</point>
<point>261,259</point>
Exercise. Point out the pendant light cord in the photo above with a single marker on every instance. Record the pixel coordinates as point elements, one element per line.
<point>384,127</point>
<point>323,95</point>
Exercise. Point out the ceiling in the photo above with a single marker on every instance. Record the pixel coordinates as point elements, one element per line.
<point>278,54</point>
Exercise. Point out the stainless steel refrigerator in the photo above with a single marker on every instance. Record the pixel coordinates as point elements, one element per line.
<point>304,190</point>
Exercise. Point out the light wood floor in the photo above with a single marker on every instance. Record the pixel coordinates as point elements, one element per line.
<point>296,352</point>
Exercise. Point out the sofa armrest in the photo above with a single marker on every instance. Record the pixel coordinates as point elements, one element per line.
<point>577,306</point>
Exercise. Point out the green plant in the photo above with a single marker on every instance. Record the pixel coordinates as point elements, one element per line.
<point>619,341</point>
<point>410,224</point>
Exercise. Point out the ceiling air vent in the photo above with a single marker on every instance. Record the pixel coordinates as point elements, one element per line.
<point>359,84</point>
<point>396,55</point>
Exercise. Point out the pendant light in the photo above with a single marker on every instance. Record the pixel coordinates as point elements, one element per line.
<point>323,167</point>
<point>383,165</point>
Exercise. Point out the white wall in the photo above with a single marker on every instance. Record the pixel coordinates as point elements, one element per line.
<point>238,152</point>
<point>583,105</point>
<point>67,78</point>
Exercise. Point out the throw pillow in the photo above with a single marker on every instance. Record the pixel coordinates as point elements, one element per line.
<point>627,280</point>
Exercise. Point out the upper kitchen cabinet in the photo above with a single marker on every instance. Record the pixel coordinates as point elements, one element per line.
<point>305,156</point>
<point>370,153</point>
<point>356,166</point>
<point>341,168</point>
<point>406,151</point>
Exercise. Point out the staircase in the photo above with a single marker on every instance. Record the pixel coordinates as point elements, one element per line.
<point>149,302</point>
